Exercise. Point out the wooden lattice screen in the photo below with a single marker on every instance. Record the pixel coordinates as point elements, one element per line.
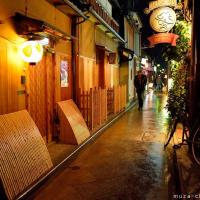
<point>24,157</point>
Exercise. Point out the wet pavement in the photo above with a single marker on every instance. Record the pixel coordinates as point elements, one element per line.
<point>126,162</point>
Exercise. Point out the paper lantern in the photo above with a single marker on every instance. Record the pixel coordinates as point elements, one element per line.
<point>31,51</point>
<point>163,19</point>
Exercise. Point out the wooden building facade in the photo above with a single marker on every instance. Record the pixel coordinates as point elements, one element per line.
<point>86,50</point>
<point>37,87</point>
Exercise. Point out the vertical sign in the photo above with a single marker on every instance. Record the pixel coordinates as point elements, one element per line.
<point>64,73</point>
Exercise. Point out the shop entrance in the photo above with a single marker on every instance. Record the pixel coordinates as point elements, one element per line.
<point>100,61</point>
<point>41,90</point>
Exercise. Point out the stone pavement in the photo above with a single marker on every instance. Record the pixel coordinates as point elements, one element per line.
<point>189,175</point>
<point>126,162</point>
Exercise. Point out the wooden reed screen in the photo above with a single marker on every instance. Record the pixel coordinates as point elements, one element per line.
<point>73,129</point>
<point>98,104</point>
<point>24,157</point>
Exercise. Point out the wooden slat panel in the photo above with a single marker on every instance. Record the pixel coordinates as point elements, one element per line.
<point>73,129</point>
<point>37,96</point>
<point>11,68</point>
<point>3,78</point>
<point>24,156</point>
<point>41,99</point>
<point>88,73</point>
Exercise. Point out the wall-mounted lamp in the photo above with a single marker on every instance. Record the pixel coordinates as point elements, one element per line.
<point>31,51</point>
<point>44,41</point>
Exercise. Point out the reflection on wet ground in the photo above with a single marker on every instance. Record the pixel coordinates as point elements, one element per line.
<point>126,162</point>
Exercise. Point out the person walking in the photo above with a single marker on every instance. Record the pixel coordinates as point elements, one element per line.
<point>140,82</point>
<point>159,84</point>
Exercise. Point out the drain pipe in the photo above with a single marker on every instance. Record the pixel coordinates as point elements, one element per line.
<point>75,52</point>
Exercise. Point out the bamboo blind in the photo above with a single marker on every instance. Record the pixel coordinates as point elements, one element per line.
<point>24,157</point>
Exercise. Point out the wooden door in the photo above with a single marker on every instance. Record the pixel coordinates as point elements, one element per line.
<point>41,95</point>
<point>100,56</point>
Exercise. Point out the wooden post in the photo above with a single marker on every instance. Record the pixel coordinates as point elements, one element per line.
<point>91,109</point>
<point>87,108</point>
<point>100,106</point>
<point>114,99</point>
<point>106,105</point>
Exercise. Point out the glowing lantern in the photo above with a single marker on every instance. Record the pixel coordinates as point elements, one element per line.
<point>31,51</point>
<point>163,19</point>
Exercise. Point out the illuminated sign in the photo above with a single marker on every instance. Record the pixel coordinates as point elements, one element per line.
<point>163,38</point>
<point>163,19</point>
<point>31,51</point>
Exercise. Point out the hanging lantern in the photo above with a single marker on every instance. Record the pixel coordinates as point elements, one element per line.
<point>31,51</point>
<point>163,19</point>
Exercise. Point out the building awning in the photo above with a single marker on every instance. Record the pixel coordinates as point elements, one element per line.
<point>32,28</point>
<point>125,54</point>
<point>67,7</point>
<point>104,48</point>
<point>111,54</point>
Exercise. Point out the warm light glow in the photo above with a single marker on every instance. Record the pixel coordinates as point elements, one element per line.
<point>144,61</point>
<point>163,19</point>
<point>44,41</point>
<point>170,83</point>
<point>31,51</point>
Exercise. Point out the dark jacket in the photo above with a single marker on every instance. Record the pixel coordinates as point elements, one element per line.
<point>140,84</point>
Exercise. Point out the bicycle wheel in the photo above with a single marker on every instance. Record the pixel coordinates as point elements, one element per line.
<point>196,146</point>
<point>171,131</point>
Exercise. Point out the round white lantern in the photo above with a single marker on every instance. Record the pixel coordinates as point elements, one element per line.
<point>163,19</point>
<point>31,51</point>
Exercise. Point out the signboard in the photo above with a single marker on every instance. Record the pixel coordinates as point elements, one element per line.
<point>163,19</point>
<point>163,38</point>
<point>64,73</point>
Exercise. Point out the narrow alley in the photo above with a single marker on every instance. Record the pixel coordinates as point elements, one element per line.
<point>126,162</point>
<point>99,99</point>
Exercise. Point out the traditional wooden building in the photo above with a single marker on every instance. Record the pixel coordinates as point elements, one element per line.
<point>130,53</point>
<point>85,51</point>
<point>36,87</point>
<point>98,48</point>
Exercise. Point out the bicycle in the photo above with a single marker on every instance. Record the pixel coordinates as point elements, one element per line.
<point>190,135</point>
<point>182,119</point>
<point>196,146</point>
